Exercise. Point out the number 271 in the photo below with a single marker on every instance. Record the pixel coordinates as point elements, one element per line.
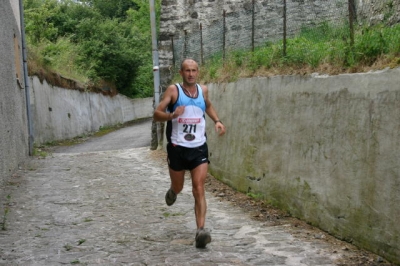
<point>189,128</point>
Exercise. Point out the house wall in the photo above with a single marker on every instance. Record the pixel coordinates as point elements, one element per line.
<point>13,117</point>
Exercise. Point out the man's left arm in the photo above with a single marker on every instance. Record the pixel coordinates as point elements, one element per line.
<point>212,113</point>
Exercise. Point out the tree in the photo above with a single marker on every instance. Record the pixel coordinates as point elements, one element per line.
<point>110,39</point>
<point>111,8</point>
<point>108,52</point>
<point>139,19</point>
<point>38,16</point>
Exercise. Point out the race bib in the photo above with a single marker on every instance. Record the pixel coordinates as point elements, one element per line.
<point>190,129</point>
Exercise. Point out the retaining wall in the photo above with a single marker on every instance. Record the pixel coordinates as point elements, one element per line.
<point>63,114</point>
<point>324,148</point>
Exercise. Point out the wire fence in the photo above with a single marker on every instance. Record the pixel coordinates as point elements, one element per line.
<point>267,23</point>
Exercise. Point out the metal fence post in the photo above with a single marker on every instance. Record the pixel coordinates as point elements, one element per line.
<point>201,44</point>
<point>351,21</point>
<point>284,28</point>
<point>185,45</point>
<point>252,28</point>
<point>223,36</point>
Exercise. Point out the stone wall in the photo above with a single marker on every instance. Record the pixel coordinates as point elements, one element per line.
<point>13,116</point>
<point>375,11</point>
<point>180,16</point>
<point>324,148</point>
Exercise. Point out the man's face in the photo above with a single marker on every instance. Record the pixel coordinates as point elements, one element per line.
<point>189,72</point>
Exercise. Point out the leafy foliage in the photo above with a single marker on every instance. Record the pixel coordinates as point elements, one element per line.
<point>112,8</point>
<point>94,41</point>
<point>39,25</point>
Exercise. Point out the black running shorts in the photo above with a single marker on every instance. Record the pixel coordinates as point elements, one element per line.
<point>182,158</point>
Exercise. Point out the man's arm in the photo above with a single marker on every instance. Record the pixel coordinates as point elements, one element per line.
<point>212,113</point>
<point>160,114</point>
<point>170,96</point>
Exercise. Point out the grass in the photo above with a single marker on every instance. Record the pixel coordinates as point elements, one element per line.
<point>167,214</point>
<point>324,49</point>
<point>59,57</point>
<point>38,151</point>
<point>6,211</point>
<point>255,196</point>
<point>68,247</point>
<point>107,129</point>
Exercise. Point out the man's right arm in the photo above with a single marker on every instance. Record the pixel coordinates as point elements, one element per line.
<point>160,114</point>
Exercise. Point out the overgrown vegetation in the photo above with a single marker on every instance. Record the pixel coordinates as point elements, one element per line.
<point>99,43</point>
<point>324,49</point>
<point>107,43</point>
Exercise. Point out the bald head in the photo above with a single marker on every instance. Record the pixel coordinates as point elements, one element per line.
<point>188,61</point>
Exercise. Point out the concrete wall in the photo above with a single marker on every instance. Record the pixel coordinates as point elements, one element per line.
<point>13,116</point>
<point>324,148</point>
<point>63,114</point>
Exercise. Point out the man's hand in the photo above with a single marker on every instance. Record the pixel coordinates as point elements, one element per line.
<point>220,128</point>
<point>179,110</point>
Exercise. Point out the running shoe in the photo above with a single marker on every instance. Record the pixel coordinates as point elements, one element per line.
<point>170,197</point>
<point>203,237</point>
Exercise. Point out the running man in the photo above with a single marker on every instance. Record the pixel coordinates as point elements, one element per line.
<point>184,107</point>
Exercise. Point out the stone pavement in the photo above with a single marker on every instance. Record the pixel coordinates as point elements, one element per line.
<point>108,208</point>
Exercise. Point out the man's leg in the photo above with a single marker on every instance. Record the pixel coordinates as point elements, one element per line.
<point>177,180</point>
<point>177,177</point>
<point>199,175</point>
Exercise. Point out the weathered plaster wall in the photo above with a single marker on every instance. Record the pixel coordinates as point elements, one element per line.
<point>15,9</point>
<point>324,148</point>
<point>63,114</point>
<point>13,117</point>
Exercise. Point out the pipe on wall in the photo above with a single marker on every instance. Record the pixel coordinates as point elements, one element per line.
<point>26,79</point>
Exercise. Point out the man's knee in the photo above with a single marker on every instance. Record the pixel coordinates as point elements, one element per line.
<point>198,190</point>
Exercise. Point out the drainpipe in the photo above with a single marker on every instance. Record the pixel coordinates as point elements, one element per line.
<point>26,79</point>
<point>156,67</point>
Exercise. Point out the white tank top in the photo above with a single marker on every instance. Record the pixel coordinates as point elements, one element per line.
<point>188,129</point>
